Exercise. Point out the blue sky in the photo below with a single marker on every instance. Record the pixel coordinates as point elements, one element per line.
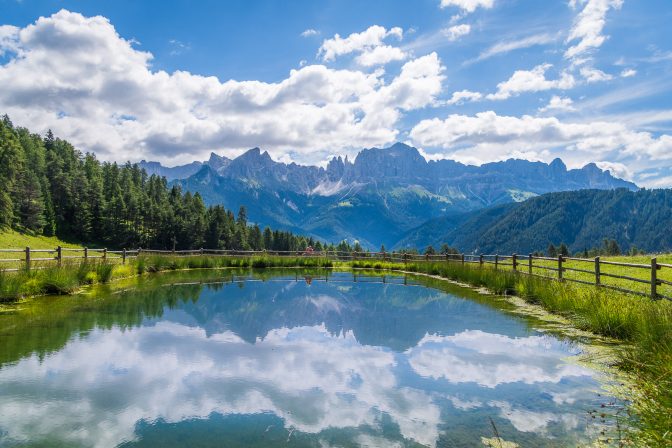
<point>472,80</point>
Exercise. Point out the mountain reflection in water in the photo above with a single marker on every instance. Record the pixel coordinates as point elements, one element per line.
<point>286,363</point>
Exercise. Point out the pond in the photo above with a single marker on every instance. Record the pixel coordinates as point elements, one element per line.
<point>287,359</point>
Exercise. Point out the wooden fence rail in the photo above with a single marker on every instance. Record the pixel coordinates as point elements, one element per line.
<point>593,271</point>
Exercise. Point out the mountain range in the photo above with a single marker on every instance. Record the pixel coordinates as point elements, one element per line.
<point>385,196</point>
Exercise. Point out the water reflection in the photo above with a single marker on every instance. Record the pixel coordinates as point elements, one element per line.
<point>314,364</point>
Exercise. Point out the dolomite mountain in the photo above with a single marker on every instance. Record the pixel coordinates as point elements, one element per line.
<point>377,198</point>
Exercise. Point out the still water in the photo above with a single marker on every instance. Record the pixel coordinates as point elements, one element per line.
<point>285,361</point>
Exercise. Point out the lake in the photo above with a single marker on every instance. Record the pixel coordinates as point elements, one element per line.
<point>287,359</point>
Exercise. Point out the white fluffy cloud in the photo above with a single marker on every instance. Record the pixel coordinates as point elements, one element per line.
<point>455,32</point>
<point>107,99</point>
<point>628,73</point>
<point>311,379</point>
<point>586,33</point>
<point>531,81</point>
<point>464,96</point>
<point>558,103</point>
<point>592,75</point>
<point>380,56</point>
<point>363,42</point>
<point>487,136</point>
<point>518,360</point>
<point>468,5</point>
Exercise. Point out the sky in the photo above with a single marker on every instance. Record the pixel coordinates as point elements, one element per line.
<point>471,80</point>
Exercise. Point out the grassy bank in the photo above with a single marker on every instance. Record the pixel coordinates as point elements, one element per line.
<point>17,240</point>
<point>72,275</point>
<point>645,325</point>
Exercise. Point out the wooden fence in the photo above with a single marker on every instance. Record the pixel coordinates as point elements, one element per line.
<point>654,279</point>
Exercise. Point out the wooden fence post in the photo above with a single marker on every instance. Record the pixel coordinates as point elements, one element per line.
<point>514,262</point>
<point>86,253</point>
<point>59,255</point>
<point>104,254</point>
<point>462,259</point>
<point>496,261</point>
<point>529,263</point>
<point>27,258</point>
<point>123,256</point>
<point>654,278</point>
<point>598,275</point>
<point>560,267</point>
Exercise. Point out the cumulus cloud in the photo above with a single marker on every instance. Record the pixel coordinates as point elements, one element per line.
<point>9,39</point>
<point>365,41</point>
<point>107,99</point>
<point>628,73</point>
<point>380,56</point>
<point>501,359</point>
<point>558,103</point>
<point>487,136</point>
<point>311,379</point>
<point>468,5</point>
<point>592,75</point>
<point>309,32</point>
<point>464,96</point>
<point>455,32</point>
<point>586,33</point>
<point>531,81</point>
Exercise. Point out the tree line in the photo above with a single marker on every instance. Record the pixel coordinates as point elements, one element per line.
<point>47,187</point>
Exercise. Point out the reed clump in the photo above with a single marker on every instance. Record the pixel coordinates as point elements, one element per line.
<point>64,279</point>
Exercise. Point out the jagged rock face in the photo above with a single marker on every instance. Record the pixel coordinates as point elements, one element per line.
<point>218,163</point>
<point>375,199</point>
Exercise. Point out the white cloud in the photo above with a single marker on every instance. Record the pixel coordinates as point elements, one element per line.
<point>487,136</point>
<point>501,359</point>
<point>380,56</point>
<point>531,81</point>
<point>617,169</point>
<point>367,40</point>
<point>309,378</point>
<point>455,32</point>
<point>588,26</point>
<point>558,103</point>
<point>464,96</point>
<point>180,117</point>
<point>628,73</point>
<point>592,75</point>
<point>507,46</point>
<point>468,5</point>
<point>9,37</point>
<point>309,32</point>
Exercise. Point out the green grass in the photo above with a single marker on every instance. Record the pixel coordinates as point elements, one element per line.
<point>11,239</point>
<point>65,279</point>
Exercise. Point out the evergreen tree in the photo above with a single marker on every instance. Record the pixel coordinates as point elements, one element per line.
<point>268,238</point>
<point>563,250</point>
<point>552,251</point>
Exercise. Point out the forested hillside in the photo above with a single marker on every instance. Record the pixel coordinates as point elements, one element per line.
<point>47,187</point>
<point>580,219</point>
